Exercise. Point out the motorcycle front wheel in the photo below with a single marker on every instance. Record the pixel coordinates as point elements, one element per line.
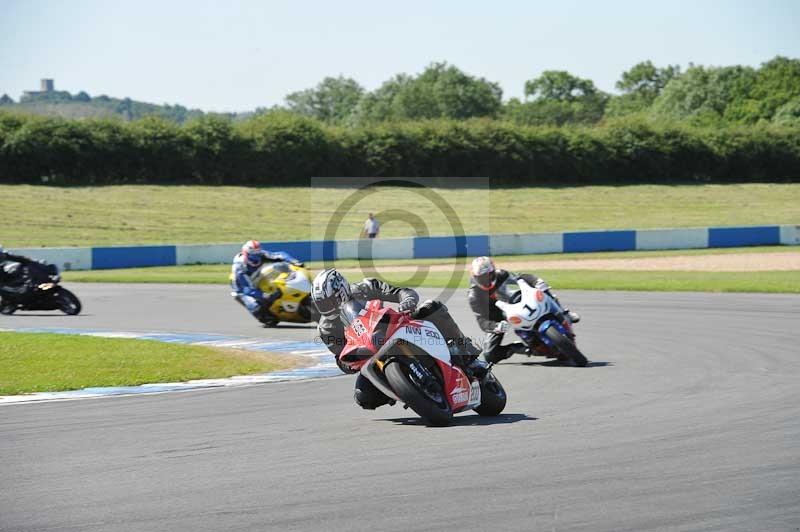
<point>493,397</point>
<point>566,347</point>
<point>68,302</point>
<point>435,412</point>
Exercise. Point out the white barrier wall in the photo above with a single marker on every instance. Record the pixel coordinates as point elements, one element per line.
<point>790,235</point>
<point>386,248</point>
<point>524,244</point>
<point>65,258</point>
<point>206,254</point>
<point>671,238</point>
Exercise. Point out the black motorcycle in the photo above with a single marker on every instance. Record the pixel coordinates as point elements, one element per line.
<point>44,292</point>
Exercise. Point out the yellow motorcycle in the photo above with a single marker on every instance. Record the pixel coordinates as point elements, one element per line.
<point>294,281</point>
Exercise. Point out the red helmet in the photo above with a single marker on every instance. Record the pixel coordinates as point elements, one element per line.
<point>251,252</point>
<point>483,272</point>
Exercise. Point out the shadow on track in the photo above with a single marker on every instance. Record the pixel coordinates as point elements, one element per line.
<point>292,326</point>
<point>50,314</point>
<point>473,420</point>
<point>559,364</point>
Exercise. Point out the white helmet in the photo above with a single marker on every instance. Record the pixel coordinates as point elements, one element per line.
<point>483,272</point>
<point>329,290</point>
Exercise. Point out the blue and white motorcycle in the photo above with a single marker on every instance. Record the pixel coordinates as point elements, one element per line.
<point>541,323</point>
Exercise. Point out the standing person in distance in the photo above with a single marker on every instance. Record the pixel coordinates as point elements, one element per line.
<point>371,227</point>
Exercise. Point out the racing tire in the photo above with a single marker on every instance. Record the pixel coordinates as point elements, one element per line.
<point>566,347</point>
<point>68,302</point>
<point>435,413</point>
<point>493,397</point>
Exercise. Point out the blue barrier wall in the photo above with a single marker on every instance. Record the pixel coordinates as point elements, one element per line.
<point>132,257</point>
<point>305,250</point>
<point>431,247</point>
<point>731,237</point>
<point>599,241</point>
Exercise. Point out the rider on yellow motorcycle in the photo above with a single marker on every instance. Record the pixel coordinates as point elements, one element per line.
<point>245,264</point>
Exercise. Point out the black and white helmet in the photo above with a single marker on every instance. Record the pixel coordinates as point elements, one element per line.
<point>329,290</point>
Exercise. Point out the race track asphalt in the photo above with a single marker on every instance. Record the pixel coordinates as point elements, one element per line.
<point>688,419</point>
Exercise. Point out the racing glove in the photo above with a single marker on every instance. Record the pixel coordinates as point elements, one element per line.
<point>501,327</point>
<point>542,285</point>
<point>408,305</point>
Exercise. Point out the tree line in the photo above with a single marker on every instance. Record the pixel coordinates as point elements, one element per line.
<point>699,96</point>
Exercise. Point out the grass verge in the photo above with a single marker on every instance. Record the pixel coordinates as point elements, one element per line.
<point>650,281</point>
<point>567,279</point>
<point>144,214</point>
<point>43,362</point>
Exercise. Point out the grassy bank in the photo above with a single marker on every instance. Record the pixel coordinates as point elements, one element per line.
<point>53,362</point>
<point>84,216</point>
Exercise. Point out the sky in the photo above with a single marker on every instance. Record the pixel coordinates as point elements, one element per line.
<point>237,55</point>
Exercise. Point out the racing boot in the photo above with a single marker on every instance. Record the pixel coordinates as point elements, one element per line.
<point>573,316</point>
<point>264,315</point>
<point>478,368</point>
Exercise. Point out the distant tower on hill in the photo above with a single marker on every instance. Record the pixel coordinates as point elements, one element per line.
<point>47,86</point>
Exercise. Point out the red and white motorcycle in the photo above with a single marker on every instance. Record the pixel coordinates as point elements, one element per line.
<point>409,361</point>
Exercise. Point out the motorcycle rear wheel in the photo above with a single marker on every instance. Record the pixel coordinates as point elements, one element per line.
<point>7,308</point>
<point>437,414</point>
<point>68,302</point>
<point>566,347</point>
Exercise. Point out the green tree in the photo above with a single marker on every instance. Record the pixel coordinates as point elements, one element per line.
<point>777,84</point>
<point>5,99</point>
<point>640,86</point>
<point>558,98</point>
<point>379,105</point>
<point>788,114</point>
<point>560,85</point>
<point>646,80</point>
<point>705,94</point>
<point>440,91</point>
<point>332,100</point>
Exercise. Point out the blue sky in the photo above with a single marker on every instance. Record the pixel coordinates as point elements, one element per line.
<point>239,55</point>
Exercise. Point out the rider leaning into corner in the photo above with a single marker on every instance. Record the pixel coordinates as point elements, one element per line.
<point>245,264</point>
<point>485,281</point>
<point>13,281</point>
<point>330,290</point>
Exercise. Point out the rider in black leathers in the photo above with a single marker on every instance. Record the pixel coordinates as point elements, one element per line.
<point>483,293</point>
<point>13,281</point>
<point>331,328</point>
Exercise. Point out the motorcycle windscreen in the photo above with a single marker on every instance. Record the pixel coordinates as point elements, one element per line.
<point>350,311</point>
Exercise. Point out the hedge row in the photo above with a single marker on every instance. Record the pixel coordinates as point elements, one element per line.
<point>284,149</point>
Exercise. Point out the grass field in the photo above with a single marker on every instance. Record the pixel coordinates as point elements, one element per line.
<point>53,362</point>
<point>788,282</point>
<point>85,216</point>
